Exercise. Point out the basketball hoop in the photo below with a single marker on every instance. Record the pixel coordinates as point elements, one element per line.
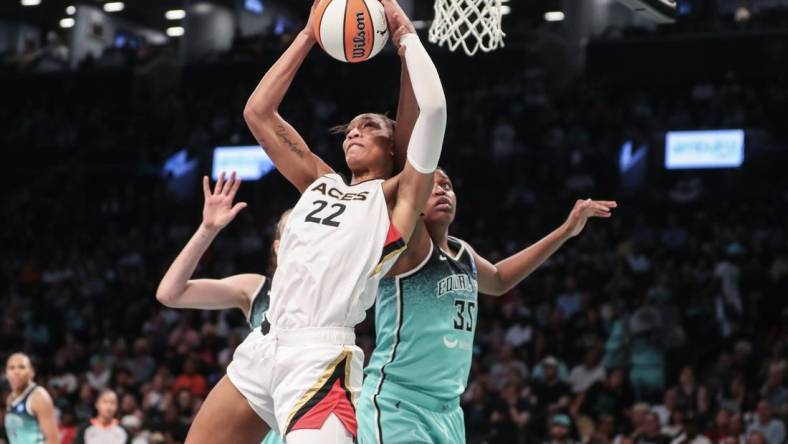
<point>474,24</point>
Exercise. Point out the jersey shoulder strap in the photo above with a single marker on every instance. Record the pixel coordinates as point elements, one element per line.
<point>465,253</point>
<point>24,399</point>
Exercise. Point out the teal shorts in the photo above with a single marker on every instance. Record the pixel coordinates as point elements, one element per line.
<point>402,416</point>
<point>273,438</point>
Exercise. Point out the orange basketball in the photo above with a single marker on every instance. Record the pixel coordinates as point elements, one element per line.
<point>351,30</point>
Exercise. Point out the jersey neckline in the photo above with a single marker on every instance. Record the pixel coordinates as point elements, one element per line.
<point>460,250</point>
<point>342,179</point>
<point>25,393</point>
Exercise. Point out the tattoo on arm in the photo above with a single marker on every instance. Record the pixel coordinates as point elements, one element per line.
<point>281,132</point>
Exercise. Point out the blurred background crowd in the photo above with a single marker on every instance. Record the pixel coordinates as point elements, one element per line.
<point>665,325</point>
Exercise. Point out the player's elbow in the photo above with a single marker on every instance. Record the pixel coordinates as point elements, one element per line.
<point>257,114</point>
<point>434,111</point>
<point>166,297</point>
<point>498,290</point>
<point>498,286</point>
<point>493,288</point>
<point>163,298</point>
<point>254,115</point>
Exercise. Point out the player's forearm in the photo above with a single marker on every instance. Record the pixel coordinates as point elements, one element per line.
<point>407,113</point>
<point>271,90</point>
<point>174,282</point>
<point>512,270</point>
<point>426,140</point>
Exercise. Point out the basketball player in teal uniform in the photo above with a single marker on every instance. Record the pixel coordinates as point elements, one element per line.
<point>30,414</point>
<point>425,313</point>
<point>247,292</point>
<point>425,319</point>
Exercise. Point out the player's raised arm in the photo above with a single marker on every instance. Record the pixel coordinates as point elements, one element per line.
<point>281,141</point>
<point>407,113</point>
<point>426,140</point>
<point>178,290</point>
<point>497,279</point>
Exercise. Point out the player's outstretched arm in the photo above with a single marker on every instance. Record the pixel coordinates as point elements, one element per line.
<point>426,140</point>
<point>497,279</point>
<point>177,290</point>
<point>281,141</point>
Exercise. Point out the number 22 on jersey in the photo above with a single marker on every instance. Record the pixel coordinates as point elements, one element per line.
<point>318,216</point>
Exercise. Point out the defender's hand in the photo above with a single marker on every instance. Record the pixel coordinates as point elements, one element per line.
<point>585,209</point>
<point>219,210</point>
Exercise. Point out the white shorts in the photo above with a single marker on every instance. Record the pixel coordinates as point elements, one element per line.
<point>294,379</point>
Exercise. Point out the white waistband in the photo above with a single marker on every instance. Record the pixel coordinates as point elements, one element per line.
<point>314,335</point>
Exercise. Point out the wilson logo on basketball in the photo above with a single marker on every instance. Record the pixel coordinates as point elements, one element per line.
<point>350,30</point>
<point>360,40</point>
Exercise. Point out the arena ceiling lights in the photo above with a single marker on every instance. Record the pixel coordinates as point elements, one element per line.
<point>114,7</point>
<point>175,14</point>
<point>505,9</point>
<point>151,14</point>
<point>554,16</point>
<point>175,31</point>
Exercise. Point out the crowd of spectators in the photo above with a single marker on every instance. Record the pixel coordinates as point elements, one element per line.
<point>665,325</point>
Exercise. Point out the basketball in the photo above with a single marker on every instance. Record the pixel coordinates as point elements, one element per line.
<point>351,30</point>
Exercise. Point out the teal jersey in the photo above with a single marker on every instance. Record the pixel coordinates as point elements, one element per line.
<point>260,303</point>
<point>424,323</point>
<point>20,425</point>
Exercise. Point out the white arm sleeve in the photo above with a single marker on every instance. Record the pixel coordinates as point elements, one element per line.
<point>426,141</point>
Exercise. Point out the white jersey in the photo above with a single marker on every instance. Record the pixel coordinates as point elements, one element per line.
<point>337,244</point>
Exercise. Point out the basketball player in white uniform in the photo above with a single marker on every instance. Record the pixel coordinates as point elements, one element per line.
<point>249,292</point>
<point>301,371</point>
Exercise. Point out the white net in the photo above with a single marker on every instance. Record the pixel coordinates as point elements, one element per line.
<point>473,24</point>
